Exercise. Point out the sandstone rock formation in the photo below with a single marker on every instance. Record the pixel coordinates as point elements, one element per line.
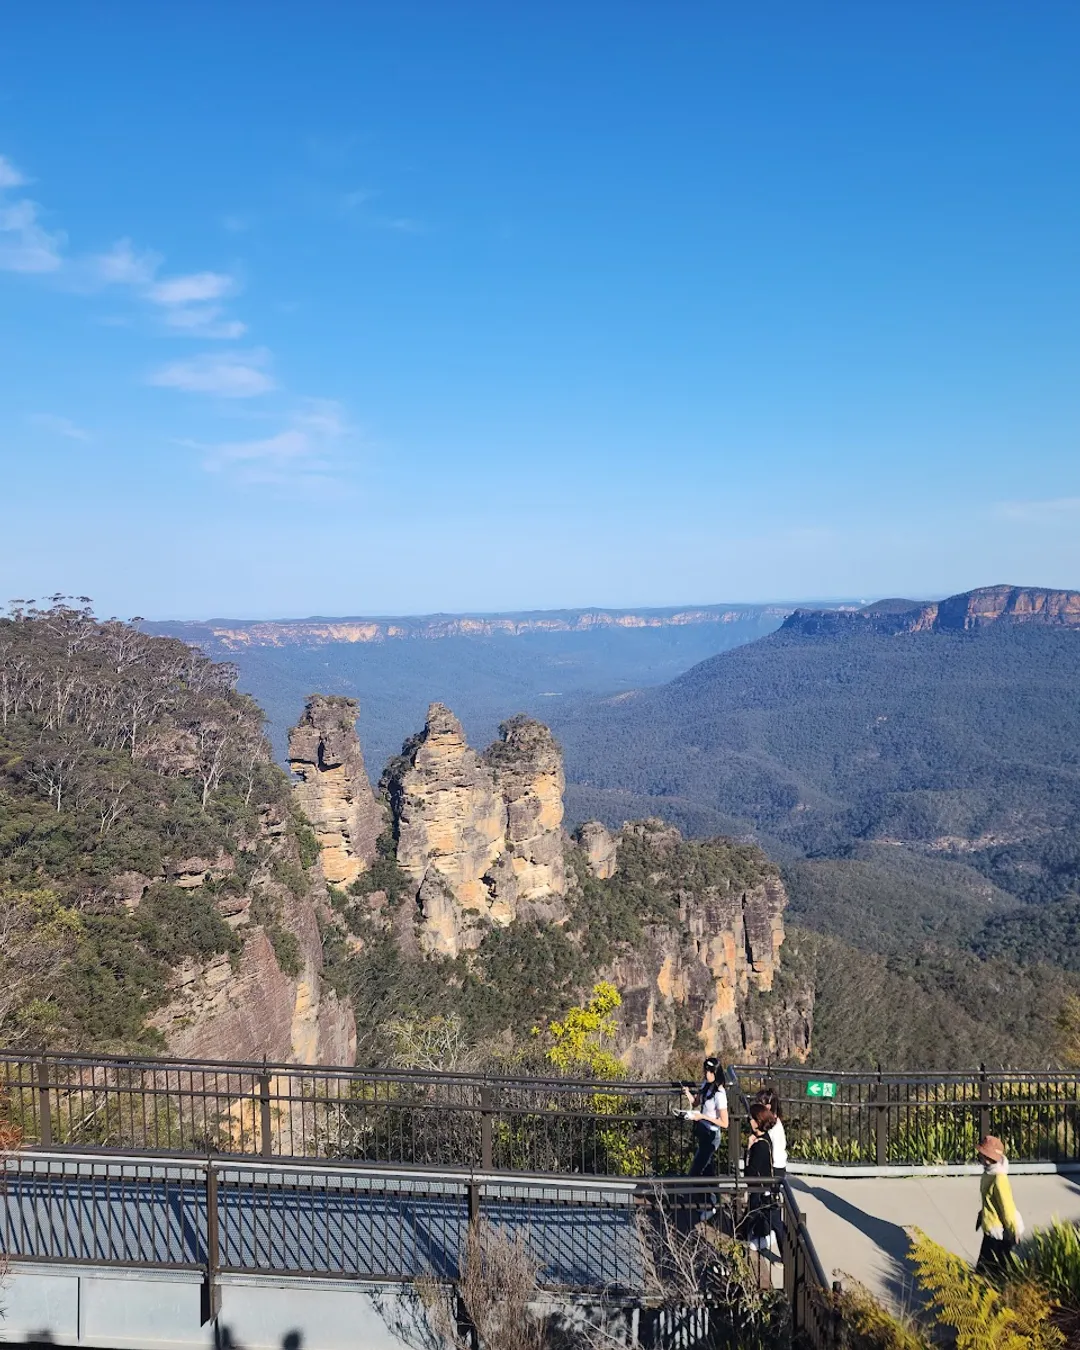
<point>245,1006</point>
<point>528,771</point>
<point>480,839</point>
<point>334,792</point>
<point>480,835</point>
<point>252,1010</point>
<point>599,847</point>
<point>697,972</point>
<point>955,614</point>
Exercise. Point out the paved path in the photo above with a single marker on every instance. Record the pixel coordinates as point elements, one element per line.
<point>857,1224</point>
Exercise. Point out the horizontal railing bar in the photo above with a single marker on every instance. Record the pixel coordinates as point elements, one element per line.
<point>226,1165</point>
<point>185,1266</point>
<point>344,1072</point>
<point>384,1103</point>
<point>353,1073</point>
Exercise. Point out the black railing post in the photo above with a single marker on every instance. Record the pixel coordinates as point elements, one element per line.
<point>881,1123</point>
<point>45,1136</point>
<point>836,1320</point>
<point>211,1285</point>
<point>486,1108</point>
<point>984,1103</point>
<point>266,1134</point>
<point>474,1201</point>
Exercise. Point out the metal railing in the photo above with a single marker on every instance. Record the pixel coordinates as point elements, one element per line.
<point>519,1124</point>
<point>898,1119</point>
<point>815,1312</point>
<point>216,1218</point>
<point>287,1111</point>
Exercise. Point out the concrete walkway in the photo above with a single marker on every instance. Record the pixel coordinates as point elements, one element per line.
<point>857,1224</point>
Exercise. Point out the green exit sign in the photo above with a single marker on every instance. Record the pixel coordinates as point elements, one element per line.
<point>821,1089</point>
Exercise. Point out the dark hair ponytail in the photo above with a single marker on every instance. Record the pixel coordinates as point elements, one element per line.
<point>709,1090</point>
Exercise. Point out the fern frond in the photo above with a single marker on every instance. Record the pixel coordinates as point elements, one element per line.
<point>982,1318</point>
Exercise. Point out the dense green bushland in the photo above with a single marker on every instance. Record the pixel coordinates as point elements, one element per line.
<point>923,793</point>
<point>937,1008</point>
<point>819,741</point>
<point>120,755</point>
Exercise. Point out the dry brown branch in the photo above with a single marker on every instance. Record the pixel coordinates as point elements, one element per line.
<point>499,1280</point>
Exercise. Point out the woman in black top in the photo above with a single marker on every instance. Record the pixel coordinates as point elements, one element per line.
<point>759,1164</point>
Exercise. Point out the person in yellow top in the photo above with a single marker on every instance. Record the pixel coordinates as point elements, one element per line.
<point>1000,1223</point>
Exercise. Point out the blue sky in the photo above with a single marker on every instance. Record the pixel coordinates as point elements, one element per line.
<point>384,308</point>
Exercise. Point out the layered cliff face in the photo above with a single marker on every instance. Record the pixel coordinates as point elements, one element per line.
<point>710,944</point>
<point>479,835</point>
<point>334,792</point>
<point>242,634</point>
<point>956,614</point>
<point>690,933</point>
<point>267,997</point>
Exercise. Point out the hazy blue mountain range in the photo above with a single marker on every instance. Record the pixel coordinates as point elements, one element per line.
<point>485,667</point>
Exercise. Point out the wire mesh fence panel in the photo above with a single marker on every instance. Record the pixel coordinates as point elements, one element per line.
<point>103,1213</point>
<point>651,1242</point>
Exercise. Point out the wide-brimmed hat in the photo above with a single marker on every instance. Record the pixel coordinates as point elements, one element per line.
<point>990,1146</point>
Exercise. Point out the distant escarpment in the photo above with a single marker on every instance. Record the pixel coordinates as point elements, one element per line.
<point>956,614</point>
<point>158,889</point>
<point>243,634</point>
<point>479,905</point>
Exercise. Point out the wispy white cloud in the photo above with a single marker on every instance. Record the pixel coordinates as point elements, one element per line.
<point>10,176</point>
<point>225,374</point>
<point>59,426</point>
<point>186,304</point>
<point>25,244</point>
<point>1055,508</point>
<point>195,288</point>
<point>306,450</point>
<point>204,321</point>
<point>122,266</point>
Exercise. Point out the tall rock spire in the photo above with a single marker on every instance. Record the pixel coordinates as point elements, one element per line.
<point>333,791</point>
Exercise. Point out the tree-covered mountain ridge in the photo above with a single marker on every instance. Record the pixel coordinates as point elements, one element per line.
<point>916,770</point>
<point>157,887</point>
<point>951,725</point>
<point>956,614</point>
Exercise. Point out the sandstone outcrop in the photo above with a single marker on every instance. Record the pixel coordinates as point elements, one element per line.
<point>956,614</point>
<point>334,792</point>
<point>481,836</point>
<point>480,842</point>
<point>245,1006</point>
<point>527,768</point>
<point>697,971</point>
<point>600,848</point>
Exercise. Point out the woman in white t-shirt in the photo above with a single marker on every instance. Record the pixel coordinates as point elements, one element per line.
<point>777,1137</point>
<point>709,1112</point>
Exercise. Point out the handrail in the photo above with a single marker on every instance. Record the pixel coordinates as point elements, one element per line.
<point>166,1063</point>
<point>476,1077</point>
